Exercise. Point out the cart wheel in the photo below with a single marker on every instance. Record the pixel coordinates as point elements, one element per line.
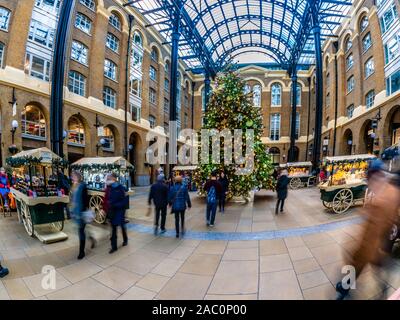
<point>295,183</point>
<point>327,205</point>
<point>58,225</point>
<point>96,204</point>
<point>26,218</point>
<point>342,201</point>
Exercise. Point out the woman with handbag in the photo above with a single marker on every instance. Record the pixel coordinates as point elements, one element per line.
<point>80,205</point>
<point>177,199</point>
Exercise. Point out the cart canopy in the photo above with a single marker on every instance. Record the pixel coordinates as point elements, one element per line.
<point>296,164</point>
<point>354,157</point>
<point>45,155</point>
<point>106,161</point>
<point>184,168</point>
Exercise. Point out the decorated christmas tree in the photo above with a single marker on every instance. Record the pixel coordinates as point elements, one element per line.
<point>230,107</point>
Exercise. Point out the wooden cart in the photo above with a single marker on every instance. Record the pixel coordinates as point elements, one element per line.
<point>303,176</point>
<point>94,171</point>
<point>340,197</point>
<point>39,209</point>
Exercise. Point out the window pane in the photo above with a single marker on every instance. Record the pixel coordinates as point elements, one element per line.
<point>79,52</point>
<point>4,18</point>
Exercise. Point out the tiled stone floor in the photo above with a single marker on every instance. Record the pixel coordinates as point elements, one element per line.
<point>302,266</point>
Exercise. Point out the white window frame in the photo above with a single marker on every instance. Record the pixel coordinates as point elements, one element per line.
<point>109,97</point>
<point>77,83</point>
<point>83,23</point>
<point>45,75</point>
<point>112,42</point>
<point>115,21</point>
<point>79,52</point>
<point>138,113</point>
<point>34,36</point>
<point>385,26</point>
<point>349,65</point>
<point>166,87</point>
<point>5,17</point>
<point>152,96</point>
<point>257,92</point>
<point>55,7</point>
<point>153,73</point>
<point>370,67</point>
<point>351,81</point>
<point>364,27</point>
<point>138,92</point>
<point>152,121</point>
<point>364,48</point>
<point>275,126</point>
<point>2,50</point>
<point>392,51</point>
<point>110,70</point>
<point>350,111</point>
<point>276,95</point>
<point>370,99</point>
<point>90,4</point>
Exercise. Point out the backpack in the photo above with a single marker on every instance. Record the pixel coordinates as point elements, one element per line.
<point>212,195</point>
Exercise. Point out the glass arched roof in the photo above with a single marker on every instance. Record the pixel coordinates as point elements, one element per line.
<point>215,32</point>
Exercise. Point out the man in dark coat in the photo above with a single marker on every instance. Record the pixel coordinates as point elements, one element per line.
<point>178,198</point>
<point>159,195</point>
<point>116,207</point>
<point>64,183</point>
<point>223,180</point>
<point>282,190</point>
<point>214,190</point>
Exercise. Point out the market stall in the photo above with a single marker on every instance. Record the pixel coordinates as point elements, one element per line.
<point>299,174</point>
<point>40,203</point>
<point>346,184</point>
<point>94,171</point>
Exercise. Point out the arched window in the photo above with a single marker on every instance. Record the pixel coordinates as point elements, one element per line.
<point>76,131</point>
<point>33,122</point>
<point>88,4</point>
<point>298,95</point>
<point>137,39</point>
<point>275,154</point>
<point>76,83</point>
<point>246,89</point>
<point>110,69</point>
<point>79,52</point>
<point>83,23</point>
<point>2,49</point>
<point>109,139</point>
<point>115,21</point>
<point>109,97</point>
<point>154,54</point>
<point>257,95</point>
<point>347,44</point>
<point>363,23</point>
<point>276,94</point>
<point>5,16</point>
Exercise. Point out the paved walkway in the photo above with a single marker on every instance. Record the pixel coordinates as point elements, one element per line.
<point>296,255</point>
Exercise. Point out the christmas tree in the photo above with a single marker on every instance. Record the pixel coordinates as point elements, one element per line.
<point>231,108</point>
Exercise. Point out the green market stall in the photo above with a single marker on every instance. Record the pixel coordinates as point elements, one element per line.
<point>299,174</point>
<point>347,184</point>
<point>40,203</point>
<point>94,171</point>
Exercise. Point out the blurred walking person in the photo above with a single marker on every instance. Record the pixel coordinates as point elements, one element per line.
<point>116,207</point>
<point>214,190</point>
<point>64,183</point>
<point>282,190</point>
<point>179,200</point>
<point>159,195</point>
<point>3,271</point>
<point>223,180</point>
<point>381,213</point>
<point>80,205</point>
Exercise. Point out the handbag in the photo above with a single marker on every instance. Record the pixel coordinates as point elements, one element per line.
<point>88,216</point>
<point>173,200</point>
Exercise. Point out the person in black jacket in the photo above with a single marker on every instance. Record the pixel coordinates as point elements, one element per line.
<point>223,180</point>
<point>64,183</point>
<point>159,195</point>
<point>282,190</point>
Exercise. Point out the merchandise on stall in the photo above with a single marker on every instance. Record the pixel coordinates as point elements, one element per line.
<point>299,174</point>
<point>94,172</point>
<point>38,198</point>
<point>346,183</point>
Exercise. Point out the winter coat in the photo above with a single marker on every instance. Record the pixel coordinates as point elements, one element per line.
<point>282,187</point>
<point>117,204</point>
<point>159,194</point>
<point>178,197</point>
<point>80,202</point>
<point>216,184</point>
<point>225,184</point>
